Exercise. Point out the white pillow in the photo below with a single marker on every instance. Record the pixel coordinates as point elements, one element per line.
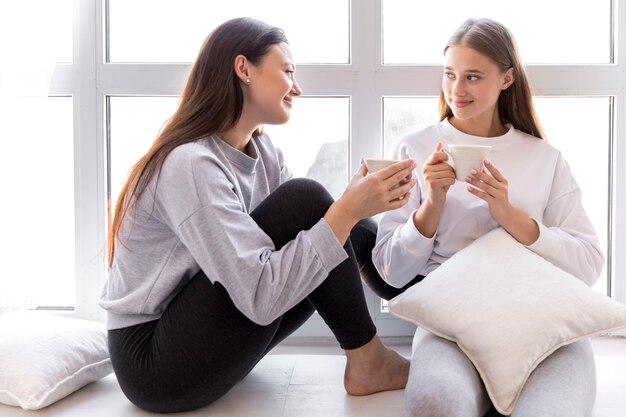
<point>45,358</point>
<point>508,309</point>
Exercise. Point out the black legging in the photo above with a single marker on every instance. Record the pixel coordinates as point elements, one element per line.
<point>203,345</point>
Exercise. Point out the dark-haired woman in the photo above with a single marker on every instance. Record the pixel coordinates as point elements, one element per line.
<point>216,254</point>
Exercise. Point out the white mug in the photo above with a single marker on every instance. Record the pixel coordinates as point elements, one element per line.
<point>464,158</point>
<point>374,165</point>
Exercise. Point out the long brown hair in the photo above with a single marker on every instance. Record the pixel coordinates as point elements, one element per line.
<point>495,41</point>
<point>211,102</point>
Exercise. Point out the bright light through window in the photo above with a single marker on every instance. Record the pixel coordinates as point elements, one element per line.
<point>35,31</point>
<point>173,31</point>
<point>553,32</point>
<point>37,177</point>
<point>312,152</point>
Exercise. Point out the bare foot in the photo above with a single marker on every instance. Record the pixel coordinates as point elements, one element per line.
<point>374,368</point>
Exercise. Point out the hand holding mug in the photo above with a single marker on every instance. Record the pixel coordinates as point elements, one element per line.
<point>438,176</point>
<point>385,189</point>
<point>493,189</point>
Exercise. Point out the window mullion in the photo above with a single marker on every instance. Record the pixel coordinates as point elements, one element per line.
<point>88,157</point>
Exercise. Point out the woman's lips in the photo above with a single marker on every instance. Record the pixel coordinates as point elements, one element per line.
<point>461,103</point>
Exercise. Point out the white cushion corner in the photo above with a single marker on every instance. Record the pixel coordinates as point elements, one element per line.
<point>45,358</point>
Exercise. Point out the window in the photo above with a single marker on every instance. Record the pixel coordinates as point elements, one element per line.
<point>315,151</point>
<point>370,71</point>
<point>37,158</point>
<point>416,32</point>
<point>173,31</point>
<point>37,171</point>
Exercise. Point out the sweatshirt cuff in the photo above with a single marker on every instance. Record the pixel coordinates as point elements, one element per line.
<point>413,240</point>
<point>547,244</point>
<point>330,252</point>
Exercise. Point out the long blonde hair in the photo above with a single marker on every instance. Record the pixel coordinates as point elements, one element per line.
<point>211,102</point>
<point>495,41</point>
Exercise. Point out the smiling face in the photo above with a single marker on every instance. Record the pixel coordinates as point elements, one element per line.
<point>272,87</point>
<point>471,86</point>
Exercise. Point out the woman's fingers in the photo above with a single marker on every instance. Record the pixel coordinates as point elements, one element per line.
<point>494,171</point>
<point>436,158</point>
<point>400,193</point>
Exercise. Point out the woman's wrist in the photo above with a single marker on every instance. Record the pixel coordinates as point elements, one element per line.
<point>340,220</point>
<point>524,229</point>
<point>426,219</point>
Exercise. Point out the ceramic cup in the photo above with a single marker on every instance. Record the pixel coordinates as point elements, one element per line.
<point>464,158</point>
<point>374,165</point>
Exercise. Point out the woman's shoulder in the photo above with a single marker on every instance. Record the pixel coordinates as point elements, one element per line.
<point>537,144</point>
<point>185,162</point>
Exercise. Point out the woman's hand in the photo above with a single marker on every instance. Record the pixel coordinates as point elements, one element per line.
<point>368,195</point>
<point>493,188</point>
<point>438,177</point>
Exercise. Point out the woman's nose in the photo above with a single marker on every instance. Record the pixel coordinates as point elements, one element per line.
<point>295,89</point>
<point>458,89</point>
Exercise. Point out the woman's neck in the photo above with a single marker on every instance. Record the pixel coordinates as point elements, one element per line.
<point>238,136</point>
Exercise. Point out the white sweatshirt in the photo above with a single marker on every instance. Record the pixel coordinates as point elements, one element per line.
<point>540,184</point>
<point>197,216</point>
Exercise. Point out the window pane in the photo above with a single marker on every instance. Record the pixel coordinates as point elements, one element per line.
<point>584,144</point>
<point>37,179</point>
<point>43,28</point>
<point>134,123</point>
<point>322,157</point>
<point>406,114</point>
<point>173,31</point>
<point>417,31</point>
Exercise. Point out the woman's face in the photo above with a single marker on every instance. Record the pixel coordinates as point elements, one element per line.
<point>272,86</point>
<point>472,84</point>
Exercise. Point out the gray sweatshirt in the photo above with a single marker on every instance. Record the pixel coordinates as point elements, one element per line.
<point>196,216</point>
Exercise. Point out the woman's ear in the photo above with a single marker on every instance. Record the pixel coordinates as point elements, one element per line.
<point>242,68</point>
<point>508,79</point>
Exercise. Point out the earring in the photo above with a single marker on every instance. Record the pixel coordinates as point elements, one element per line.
<point>247,80</point>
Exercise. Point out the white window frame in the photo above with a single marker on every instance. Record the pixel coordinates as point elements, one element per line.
<point>89,80</point>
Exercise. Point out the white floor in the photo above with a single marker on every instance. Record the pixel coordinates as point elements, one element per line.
<point>302,380</point>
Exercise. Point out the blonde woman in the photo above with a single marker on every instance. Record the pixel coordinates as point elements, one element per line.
<point>525,187</point>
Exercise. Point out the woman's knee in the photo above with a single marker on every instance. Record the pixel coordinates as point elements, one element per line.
<point>564,384</point>
<point>442,381</point>
<point>439,398</point>
<point>294,206</point>
<point>299,198</point>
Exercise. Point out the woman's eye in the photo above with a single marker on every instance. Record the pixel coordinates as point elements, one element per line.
<point>449,75</point>
<point>473,77</point>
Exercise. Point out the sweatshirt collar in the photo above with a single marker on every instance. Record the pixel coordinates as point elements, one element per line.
<point>244,161</point>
